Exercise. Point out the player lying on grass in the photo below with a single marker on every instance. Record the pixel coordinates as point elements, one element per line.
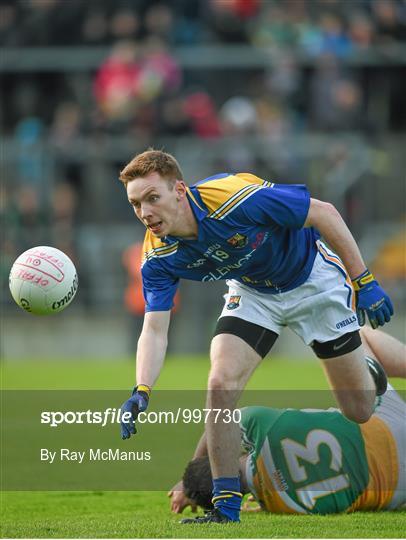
<point>318,462</point>
<point>264,238</point>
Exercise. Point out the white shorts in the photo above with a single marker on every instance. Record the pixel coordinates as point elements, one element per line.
<point>322,309</point>
<point>392,410</point>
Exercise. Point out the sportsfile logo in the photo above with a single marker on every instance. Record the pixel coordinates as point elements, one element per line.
<point>108,416</point>
<point>115,416</point>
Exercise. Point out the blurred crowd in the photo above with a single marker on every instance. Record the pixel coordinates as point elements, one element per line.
<point>140,88</point>
<point>142,91</point>
<point>316,25</point>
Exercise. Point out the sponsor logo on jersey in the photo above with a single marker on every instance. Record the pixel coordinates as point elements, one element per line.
<point>238,241</point>
<point>211,249</point>
<point>259,240</point>
<point>233,302</point>
<point>219,273</point>
<point>197,263</point>
<point>346,322</point>
<point>279,480</point>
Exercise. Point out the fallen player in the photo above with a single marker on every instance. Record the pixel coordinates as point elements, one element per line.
<point>317,461</point>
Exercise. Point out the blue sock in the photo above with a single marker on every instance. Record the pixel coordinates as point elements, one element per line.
<point>227,497</point>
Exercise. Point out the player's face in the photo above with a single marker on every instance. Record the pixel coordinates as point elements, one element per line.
<point>156,203</point>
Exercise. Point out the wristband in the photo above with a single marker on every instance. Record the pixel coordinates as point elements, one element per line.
<point>143,388</point>
<point>362,280</point>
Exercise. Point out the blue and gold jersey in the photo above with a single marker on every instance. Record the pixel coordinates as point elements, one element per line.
<point>249,229</point>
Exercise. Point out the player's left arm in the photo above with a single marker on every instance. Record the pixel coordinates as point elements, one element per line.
<point>371,298</point>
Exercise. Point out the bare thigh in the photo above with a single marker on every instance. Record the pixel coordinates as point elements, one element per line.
<point>352,384</point>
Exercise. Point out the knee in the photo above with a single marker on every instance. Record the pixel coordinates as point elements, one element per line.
<point>217,381</point>
<point>358,411</point>
<point>366,333</point>
<point>224,375</point>
<point>221,380</point>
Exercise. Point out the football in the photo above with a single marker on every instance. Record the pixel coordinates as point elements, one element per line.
<point>43,280</point>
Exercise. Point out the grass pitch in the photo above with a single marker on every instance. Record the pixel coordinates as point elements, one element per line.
<point>146,514</point>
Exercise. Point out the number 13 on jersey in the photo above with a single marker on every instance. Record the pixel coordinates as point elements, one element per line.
<point>295,453</point>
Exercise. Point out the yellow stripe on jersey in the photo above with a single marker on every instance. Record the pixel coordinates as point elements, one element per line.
<point>255,179</point>
<point>380,447</point>
<point>154,247</point>
<point>222,195</point>
<point>234,201</point>
<point>266,491</point>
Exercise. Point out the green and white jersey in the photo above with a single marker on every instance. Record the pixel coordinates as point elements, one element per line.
<point>304,461</point>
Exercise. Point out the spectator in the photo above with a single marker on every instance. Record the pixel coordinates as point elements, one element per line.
<point>125,24</point>
<point>173,118</point>
<point>94,27</point>
<point>361,31</point>
<point>284,79</point>
<point>273,27</point>
<point>28,221</point>
<point>238,116</point>
<point>63,208</point>
<point>346,98</point>
<point>159,22</point>
<point>160,73</point>
<point>117,81</point>
<point>228,20</point>
<point>334,40</point>
<point>30,162</point>
<point>8,22</point>
<point>329,95</point>
<point>390,25</point>
<point>203,115</point>
<point>66,124</point>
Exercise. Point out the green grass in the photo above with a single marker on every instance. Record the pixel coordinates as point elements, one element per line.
<point>178,373</point>
<point>146,514</point>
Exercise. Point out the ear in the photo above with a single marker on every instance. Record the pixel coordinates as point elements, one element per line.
<point>180,188</point>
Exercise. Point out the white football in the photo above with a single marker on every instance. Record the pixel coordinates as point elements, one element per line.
<point>43,280</point>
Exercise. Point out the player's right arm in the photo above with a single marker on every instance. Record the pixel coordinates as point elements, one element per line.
<point>151,352</point>
<point>159,288</point>
<point>152,346</point>
<point>371,299</point>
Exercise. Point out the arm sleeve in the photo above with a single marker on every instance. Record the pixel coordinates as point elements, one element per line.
<point>286,205</point>
<point>159,288</point>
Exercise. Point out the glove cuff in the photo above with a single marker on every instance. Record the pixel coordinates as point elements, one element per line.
<point>143,388</point>
<point>362,280</point>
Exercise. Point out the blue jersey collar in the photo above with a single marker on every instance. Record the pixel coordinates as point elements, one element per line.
<point>199,211</point>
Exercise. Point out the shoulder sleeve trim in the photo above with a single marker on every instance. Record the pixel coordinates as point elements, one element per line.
<point>154,247</point>
<point>222,195</point>
<point>238,198</point>
<point>251,178</point>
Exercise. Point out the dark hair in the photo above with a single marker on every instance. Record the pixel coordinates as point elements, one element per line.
<point>198,482</point>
